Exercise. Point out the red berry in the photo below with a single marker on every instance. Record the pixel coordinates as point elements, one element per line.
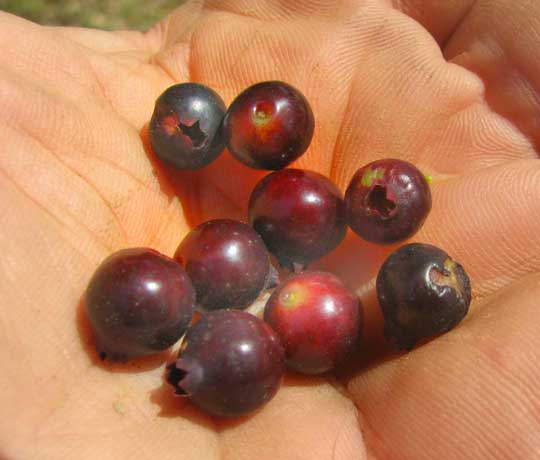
<point>139,302</point>
<point>268,125</point>
<point>317,318</point>
<point>422,293</point>
<point>233,363</point>
<point>387,201</point>
<point>185,129</point>
<point>227,262</point>
<point>299,214</point>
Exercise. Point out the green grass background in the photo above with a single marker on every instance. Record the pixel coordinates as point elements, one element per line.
<point>102,14</point>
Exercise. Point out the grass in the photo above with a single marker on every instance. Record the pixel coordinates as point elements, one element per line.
<point>101,14</point>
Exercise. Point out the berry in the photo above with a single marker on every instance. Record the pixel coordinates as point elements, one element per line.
<point>185,129</point>
<point>387,201</point>
<point>317,319</point>
<point>299,214</point>
<point>232,364</point>
<point>227,262</point>
<point>138,302</point>
<point>269,125</point>
<point>422,293</point>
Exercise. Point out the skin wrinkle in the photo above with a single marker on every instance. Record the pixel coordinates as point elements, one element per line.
<point>52,216</point>
<point>457,29</point>
<point>494,44</point>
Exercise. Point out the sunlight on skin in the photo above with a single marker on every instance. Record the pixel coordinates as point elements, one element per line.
<point>77,181</point>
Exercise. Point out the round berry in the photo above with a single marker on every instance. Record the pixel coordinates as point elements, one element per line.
<point>299,214</point>
<point>185,129</point>
<point>422,293</point>
<point>269,125</point>
<point>232,364</point>
<point>138,302</point>
<point>387,201</point>
<point>317,319</point>
<point>227,262</point>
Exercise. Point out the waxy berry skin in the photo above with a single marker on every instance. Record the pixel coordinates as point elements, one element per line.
<point>387,201</point>
<point>422,293</point>
<point>299,214</point>
<point>232,363</point>
<point>317,319</point>
<point>185,128</point>
<point>138,302</point>
<point>269,125</point>
<point>227,262</point>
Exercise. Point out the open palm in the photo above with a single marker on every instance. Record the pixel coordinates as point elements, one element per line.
<point>77,181</point>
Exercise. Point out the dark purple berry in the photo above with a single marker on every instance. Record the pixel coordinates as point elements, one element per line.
<point>185,129</point>
<point>232,364</point>
<point>387,201</point>
<point>422,293</point>
<point>269,125</point>
<point>317,319</point>
<point>227,262</point>
<point>138,302</point>
<point>299,214</point>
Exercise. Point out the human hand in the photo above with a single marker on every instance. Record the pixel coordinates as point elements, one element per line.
<point>77,183</point>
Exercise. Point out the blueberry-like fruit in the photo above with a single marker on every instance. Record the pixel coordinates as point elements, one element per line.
<point>387,201</point>
<point>269,125</point>
<point>317,319</point>
<point>185,128</point>
<point>299,214</point>
<point>138,302</point>
<point>231,364</point>
<point>422,293</point>
<point>227,262</point>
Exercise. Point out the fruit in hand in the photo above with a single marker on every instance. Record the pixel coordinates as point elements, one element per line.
<point>299,214</point>
<point>422,293</point>
<point>269,125</point>
<point>185,128</point>
<point>138,302</point>
<point>231,364</point>
<point>317,319</point>
<point>227,262</point>
<point>387,201</point>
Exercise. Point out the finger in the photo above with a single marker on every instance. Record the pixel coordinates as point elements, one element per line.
<point>486,220</point>
<point>471,393</point>
<point>419,108</point>
<point>497,41</point>
<point>440,18</point>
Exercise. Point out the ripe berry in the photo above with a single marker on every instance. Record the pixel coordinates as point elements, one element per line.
<point>317,319</point>
<point>387,201</point>
<point>299,214</point>
<point>269,125</point>
<point>227,262</point>
<point>232,364</point>
<point>185,129</point>
<point>139,302</point>
<point>422,293</point>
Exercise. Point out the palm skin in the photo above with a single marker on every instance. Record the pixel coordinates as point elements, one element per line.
<point>77,183</point>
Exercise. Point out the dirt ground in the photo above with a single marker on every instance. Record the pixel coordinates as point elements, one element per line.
<point>102,14</point>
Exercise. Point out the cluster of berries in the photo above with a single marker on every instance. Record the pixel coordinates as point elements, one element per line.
<point>231,361</point>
